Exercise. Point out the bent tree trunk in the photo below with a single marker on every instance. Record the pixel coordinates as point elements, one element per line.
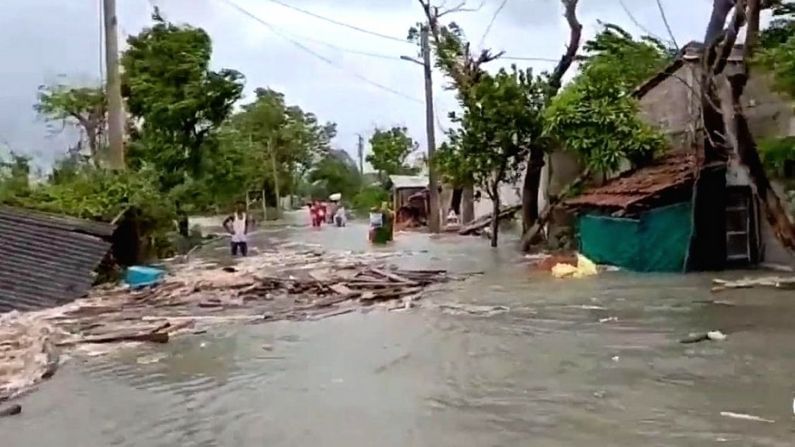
<point>530,188</point>
<point>495,213</point>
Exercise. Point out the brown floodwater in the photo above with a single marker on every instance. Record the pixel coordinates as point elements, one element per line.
<point>509,358</point>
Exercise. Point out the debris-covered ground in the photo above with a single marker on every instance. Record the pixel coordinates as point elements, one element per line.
<point>289,283</point>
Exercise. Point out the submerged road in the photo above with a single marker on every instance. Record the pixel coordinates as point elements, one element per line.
<point>509,358</point>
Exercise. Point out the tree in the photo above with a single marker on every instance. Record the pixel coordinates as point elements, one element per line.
<point>179,100</point>
<point>335,173</point>
<point>717,146</point>
<point>284,141</point>
<point>80,107</point>
<point>777,54</point>
<point>501,115</point>
<point>595,116</point>
<point>390,149</point>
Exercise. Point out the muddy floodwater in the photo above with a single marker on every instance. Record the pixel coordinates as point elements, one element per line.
<point>509,358</point>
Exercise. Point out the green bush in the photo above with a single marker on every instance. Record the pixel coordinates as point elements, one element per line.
<point>369,197</point>
<point>776,152</point>
<point>101,195</point>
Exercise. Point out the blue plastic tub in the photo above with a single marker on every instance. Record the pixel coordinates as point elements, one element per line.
<point>142,276</point>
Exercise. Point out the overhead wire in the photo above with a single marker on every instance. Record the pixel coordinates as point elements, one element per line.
<point>314,53</point>
<point>491,22</point>
<point>337,22</point>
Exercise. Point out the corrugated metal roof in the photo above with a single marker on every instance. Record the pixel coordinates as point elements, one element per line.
<point>641,186</point>
<point>408,181</point>
<point>47,260</point>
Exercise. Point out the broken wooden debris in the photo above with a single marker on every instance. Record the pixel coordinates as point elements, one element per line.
<point>483,222</point>
<point>11,410</point>
<point>776,282</point>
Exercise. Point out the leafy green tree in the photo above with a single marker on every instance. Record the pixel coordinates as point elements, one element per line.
<point>390,149</point>
<point>282,141</point>
<point>80,107</point>
<point>501,116</point>
<point>14,177</point>
<point>595,116</point>
<point>170,88</point>
<point>335,174</point>
<point>782,27</point>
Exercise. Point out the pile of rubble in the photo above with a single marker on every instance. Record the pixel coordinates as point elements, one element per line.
<point>289,283</point>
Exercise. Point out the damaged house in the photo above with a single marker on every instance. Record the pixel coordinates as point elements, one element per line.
<point>643,219</point>
<point>48,260</point>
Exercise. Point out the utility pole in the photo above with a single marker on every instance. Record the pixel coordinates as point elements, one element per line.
<point>433,219</point>
<point>275,176</point>
<point>360,151</point>
<point>113,89</point>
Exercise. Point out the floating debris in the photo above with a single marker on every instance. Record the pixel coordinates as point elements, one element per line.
<point>11,410</point>
<point>745,417</point>
<point>279,284</point>
<point>699,337</point>
<point>775,282</point>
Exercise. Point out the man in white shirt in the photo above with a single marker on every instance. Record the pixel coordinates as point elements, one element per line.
<point>237,225</point>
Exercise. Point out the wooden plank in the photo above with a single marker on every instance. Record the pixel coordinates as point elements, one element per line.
<point>393,276</point>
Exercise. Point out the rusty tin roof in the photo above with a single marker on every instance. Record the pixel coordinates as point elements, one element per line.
<point>47,260</point>
<point>642,187</point>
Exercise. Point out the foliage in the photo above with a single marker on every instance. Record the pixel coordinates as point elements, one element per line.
<point>81,107</point>
<point>782,27</point>
<point>180,101</point>
<point>14,177</point>
<point>369,197</point>
<point>266,133</point>
<point>98,194</point>
<point>390,151</point>
<point>335,174</point>
<point>776,153</point>
<point>501,115</point>
<point>778,48</point>
<point>453,166</point>
<point>595,116</point>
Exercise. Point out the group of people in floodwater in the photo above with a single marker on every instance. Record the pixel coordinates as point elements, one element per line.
<point>330,213</point>
<point>240,223</point>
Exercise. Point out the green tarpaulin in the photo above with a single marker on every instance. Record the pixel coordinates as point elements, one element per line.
<point>656,242</point>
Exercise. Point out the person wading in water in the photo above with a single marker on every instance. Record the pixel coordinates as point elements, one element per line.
<point>237,225</point>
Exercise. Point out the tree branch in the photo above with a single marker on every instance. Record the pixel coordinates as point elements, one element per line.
<point>567,59</point>
<point>730,37</point>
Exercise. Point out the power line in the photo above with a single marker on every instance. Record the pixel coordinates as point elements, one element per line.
<point>312,52</point>
<point>522,58</point>
<point>491,23</point>
<point>336,22</point>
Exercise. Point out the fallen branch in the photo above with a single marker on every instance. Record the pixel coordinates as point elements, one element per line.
<point>485,221</point>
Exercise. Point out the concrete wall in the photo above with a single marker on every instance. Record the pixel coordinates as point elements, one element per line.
<point>510,194</point>
<point>675,106</point>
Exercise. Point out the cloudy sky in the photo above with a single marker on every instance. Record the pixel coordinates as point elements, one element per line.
<point>312,61</point>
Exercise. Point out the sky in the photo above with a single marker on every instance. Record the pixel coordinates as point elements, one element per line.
<point>308,59</point>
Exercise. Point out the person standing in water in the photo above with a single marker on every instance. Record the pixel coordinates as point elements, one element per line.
<point>238,225</point>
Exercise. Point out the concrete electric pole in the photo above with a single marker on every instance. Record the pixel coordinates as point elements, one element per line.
<point>360,153</point>
<point>113,89</point>
<point>433,199</point>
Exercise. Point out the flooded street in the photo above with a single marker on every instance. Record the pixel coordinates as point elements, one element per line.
<point>512,357</point>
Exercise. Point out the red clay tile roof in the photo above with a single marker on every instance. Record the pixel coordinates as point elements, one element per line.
<point>641,187</point>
